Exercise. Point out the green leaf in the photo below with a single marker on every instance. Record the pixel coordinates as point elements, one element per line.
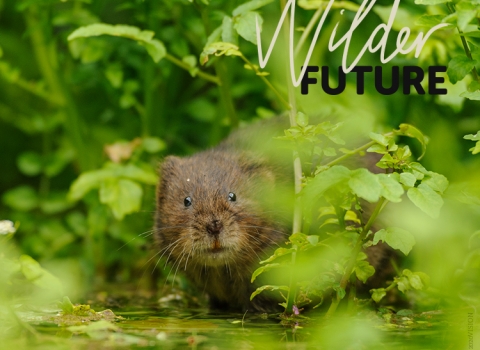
<point>376,148</point>
<point>379,138</point>
<point>122,196</point>
<point>262,269</point>
<point>267,287</point>
<point>219,49</point>
<point>414,279</point>
<point>153,144</point>
<point>411,131</point>
<point>155,48</point>
<point>38,276</point>
<point>471,95</point>
<point>250,6</point>
<point>364,270</point>
<point>426,199</point>
<point>408,179</point>
<point>22,198</point>
<point>378,294</point>
<point>324,181</point>
<point>459,67</point>
<point>30,163</point>
<point>391,189</point>
<point>301,119</point>
<point>431,2</point>
<point>365,185</point>
<point>245,25</point>
<point>228,34</point>
<point>436,182</point>
<point>429,20</point>
<point>278,253</point>
<point>396,238</point>
<point>466,11</point>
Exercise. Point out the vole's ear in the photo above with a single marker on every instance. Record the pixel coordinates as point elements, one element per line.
<point>170,162</point>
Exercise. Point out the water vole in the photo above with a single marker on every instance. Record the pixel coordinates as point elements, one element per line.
<point>216,218</point>
<point>218,214</point>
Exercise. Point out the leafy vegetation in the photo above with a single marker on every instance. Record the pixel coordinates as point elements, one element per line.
<point>95,93</point>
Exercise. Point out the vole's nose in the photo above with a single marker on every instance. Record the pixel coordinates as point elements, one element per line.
<point>214,227</point>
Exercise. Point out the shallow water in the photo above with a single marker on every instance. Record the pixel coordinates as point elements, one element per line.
<point>145,327</point>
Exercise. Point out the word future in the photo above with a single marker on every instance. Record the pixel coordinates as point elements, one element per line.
<point>408,80</point>
<point>365,7</point>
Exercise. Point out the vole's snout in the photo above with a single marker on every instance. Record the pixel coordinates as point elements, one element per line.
<point>214,227</point>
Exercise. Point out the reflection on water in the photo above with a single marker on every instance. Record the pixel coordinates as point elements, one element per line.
<point>198,329</point>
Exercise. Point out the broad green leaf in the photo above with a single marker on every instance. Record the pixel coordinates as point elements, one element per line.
<point>408,179</point>
<point>155,48</point>
<point>30,163</point>
<point>219,49</point>
<point>471,95</point>
<point>278,253</point>
<point>250,6</point>
<point>122,196</point>
<point>114,74</point>
<point>426,199</point>
<point>458,67</point>
<point>365,185</point>
<point>23,198</point>
<point>379,138</point>
<point>33,272</point>
<point>324,181</point>
<point>246,27</point>
<point>391,189</point>
<point>429,20</point>
<point>88,181</point>
<point>378,294</point>
<point>153,144</point>
<point>431,2</point>
<point>436,182</point>
<point>376,148</point>
<point>472,137</point>
<point>228,34</point>
<point>396,238</point>
<point>262,269</point>
<point>411,131</point>
<point>364,270</point>
<point>268,287</point>
<point>466,11</point>
<point>403,284</point>
<point>414,279</point>
<point>315,4</point>
<point>301,119</point>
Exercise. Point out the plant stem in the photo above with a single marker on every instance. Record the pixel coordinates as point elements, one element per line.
<point>349,154</point>
<point>30,87</point>
<point>183,65</point>
<point>355,151</point>
<point>225,94</point>
<point>297,167</point>
<point>308,29</point>
<point>451,8</point>
<point>269,84</point>
<point>353,256</point>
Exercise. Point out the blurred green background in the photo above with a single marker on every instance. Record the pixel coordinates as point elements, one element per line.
<point>101,111</point>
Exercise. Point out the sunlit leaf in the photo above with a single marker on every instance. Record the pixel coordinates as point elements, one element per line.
<point>426,199</point>
<point>396,238</point>
<point>245,25</point>
<point>267,287</point>
<point>365,185</point>
<point>250,6</point>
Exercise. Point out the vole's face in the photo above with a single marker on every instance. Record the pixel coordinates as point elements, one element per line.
<point>207,212</point>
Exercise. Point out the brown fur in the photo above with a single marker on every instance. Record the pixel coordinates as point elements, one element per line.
<point>222,263</point>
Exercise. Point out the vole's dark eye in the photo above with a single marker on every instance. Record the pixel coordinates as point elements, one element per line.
<point>187,201</point>
<point>232,197</point>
